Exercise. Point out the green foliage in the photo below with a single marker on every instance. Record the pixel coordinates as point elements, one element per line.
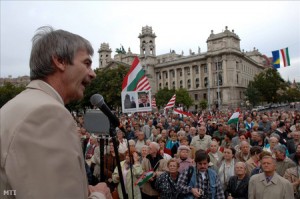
<point>203,104</point>
<point>163,96</point>
<point>252,94</point>
<point>182,97</point>
<point>9,91</point>
<point>268,83</point>
<point>292,95</point>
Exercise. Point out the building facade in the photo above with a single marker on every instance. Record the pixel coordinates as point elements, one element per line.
<point>220,75</point>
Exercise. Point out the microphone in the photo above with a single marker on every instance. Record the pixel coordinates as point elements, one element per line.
<point>98,100</point>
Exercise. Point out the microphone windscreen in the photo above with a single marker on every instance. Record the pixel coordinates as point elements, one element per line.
<point>97,100</point>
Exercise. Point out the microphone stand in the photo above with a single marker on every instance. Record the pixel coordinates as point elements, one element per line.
<point>113,136</point>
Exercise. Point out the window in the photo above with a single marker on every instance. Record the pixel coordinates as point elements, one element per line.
<point>159,76</point>
<point>218,66</point>
<point>159,85</point>
<point>197,82</point>
<point>173,84</point>
<point>180,84</point>
<point>167,84</point>
<point>205,68</point>
<point>189,83</point>
<point>173,73</point>
<point>204,96</point>
<point>206,81</point>
<point>196,69</point>
<point>166,74</point>
<point>188,71</point>
<point>237,78</point>
<point>180,72</point>
<point>196,96</point>
<point>220,78</point>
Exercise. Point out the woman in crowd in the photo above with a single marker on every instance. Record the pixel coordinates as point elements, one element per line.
<point>226,166</point>
<point>122,142</point>
<point>131,161</point>
<point>166,183</point>
<point>238,184</point>
<point>183,158</point>
<point>214,154</point>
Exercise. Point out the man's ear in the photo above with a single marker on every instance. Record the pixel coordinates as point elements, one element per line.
<point>59,63</point>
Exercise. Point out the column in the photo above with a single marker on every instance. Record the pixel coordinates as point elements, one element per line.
<point>175,78</point>
<point>192,78</point>
<point>224,65</point>
<point>169,79</point>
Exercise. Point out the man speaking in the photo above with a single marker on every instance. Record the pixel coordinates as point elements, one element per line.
<point>40,150</point>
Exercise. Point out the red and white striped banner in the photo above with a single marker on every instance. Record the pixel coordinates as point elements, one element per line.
<point>180,111</point>
<point>171,103</point>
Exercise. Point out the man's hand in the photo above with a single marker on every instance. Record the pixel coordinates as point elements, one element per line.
<point>102,188</point>
<point>195,192</point>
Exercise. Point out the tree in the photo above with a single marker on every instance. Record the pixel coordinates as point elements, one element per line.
<point>252,94</point>
<point>203,104</point>
<point>268,83</point>
<point>292,95</point>
<point>9,91</point>
<point>163,96</point>
<point>183,97</point>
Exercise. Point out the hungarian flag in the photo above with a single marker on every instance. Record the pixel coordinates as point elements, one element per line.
<point>136,80</point>
<point>145,177</point>
<point>234,118</point>
<point>171,103</point>
<point>285,56</point>
<point>179,111</point>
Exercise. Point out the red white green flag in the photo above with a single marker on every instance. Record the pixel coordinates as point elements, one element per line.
<point>285,56</point>
<point>145,177</point>
<point>135,80</point>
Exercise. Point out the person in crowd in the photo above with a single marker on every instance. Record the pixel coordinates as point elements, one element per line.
<point>238,184</point>
<point>244,153</point>
<point>273,141</point>
<point>226,166</point>
<point>202,141</point>
<point>249,124</point>
<point>172,141</point>
<point>164,134</point>
<point>293,174</point>
<point>122,142</point>
<point>154,161</point>
<point>166,183</point>
<point>154,135</point>
<point>282,162</point>
<point>32,127</point>
<point>293,141</point>
<point>294,155</point>
<point>192,133</point>
<point>162,146</point>
<point>242,137</point>
<point>144,152</point>
<point>147,129</point>
<point>281,131</point>
<point>227,142</point>
<point>91,148</point>
<point>214,154</point>
<point>264,124</point>
<point>130,133</point>
<point>235,136</point>
<point>110,163</point>
<point>253,161</point>
<point>141,141</point>
<point>200,181</point>
<point>131,162</point>
<point>180,135</point>
<point>184,142</point>
<point>220,132</point>
<point>183,158</point>
<point>269,184</point>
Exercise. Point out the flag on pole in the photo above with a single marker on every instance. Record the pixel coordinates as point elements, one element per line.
<point>153,102</point>
<point>234,118</point>
<point>171,103</point>
<point>135,79</point>
<point>285,56</point>
<point>276,59</point>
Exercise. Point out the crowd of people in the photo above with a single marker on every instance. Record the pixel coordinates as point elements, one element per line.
<point>202,156</point>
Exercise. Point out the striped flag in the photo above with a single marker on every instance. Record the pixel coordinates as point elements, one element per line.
<point>181,112</point>
<point>234,118</point>
<point>171,103</point>
<point>276,59</point>
<point>285,56</point>
<point>153,102</point>
<point>136,80</point>
<point>145,177</point>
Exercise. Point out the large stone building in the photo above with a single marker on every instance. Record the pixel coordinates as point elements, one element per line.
<point>219,75</point>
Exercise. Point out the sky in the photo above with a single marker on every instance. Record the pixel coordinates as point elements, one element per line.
<point>178,25</point>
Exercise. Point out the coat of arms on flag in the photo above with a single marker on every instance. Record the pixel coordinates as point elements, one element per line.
<point>136,90</point>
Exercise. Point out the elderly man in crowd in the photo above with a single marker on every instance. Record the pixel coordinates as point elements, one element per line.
<point>282,162</point>
<point>244,154</point>
<point>202,141</point>
<point>269,184</point>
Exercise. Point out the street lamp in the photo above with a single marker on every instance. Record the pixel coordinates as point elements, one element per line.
<point>218,85</point>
